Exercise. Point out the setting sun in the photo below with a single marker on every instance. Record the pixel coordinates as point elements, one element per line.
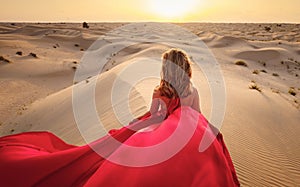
<point>172,8</point>
<point>150,10</point>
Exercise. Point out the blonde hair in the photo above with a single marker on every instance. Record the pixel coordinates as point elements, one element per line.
<point>175,74</point>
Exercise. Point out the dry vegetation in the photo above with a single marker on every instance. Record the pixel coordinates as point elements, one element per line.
<point>241,63</point>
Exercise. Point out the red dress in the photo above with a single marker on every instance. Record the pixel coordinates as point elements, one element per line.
<point>43,159</point>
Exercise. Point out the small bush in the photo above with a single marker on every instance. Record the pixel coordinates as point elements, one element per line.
<point>85,25</point>
<point>33,55</point>
<point>255,72</point>
<point>268,29</point>
<point>4,59</point>
<point>19,53</point>
<point>262,63</point>
<point>275,75</point>
<point>241,63</point>
<point>254,86</point>
<point>292,92</point>
<point>264,71</point>
<point>55,46</point>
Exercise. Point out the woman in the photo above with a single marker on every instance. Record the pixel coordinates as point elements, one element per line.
<point>167,142</point>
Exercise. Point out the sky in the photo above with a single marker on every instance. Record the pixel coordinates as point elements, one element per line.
<point>150,10</point>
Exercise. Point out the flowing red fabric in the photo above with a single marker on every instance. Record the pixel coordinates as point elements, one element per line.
<point>43,159</point>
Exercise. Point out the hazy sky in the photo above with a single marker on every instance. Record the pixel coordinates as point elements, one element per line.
<point>151,10</point>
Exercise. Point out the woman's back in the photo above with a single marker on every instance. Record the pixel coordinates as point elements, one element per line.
<point>191,100</point>
<point>161,103</point>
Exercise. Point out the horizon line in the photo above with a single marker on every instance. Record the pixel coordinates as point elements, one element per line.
<point>147,21</point>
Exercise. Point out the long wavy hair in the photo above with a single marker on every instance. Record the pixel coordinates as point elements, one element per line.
<point>176,74</point>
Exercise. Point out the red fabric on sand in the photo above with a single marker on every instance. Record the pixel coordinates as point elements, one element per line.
<point>43,159</point>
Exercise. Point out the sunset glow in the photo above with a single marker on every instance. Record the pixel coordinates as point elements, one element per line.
<point>150,10</point>
<point>172,8</point>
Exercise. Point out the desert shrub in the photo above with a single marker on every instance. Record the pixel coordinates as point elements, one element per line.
<point>262,63</point>
<point>268,29</point>
<point>292,92</point>
<point>33,55</point>
<point>85,25</point>
<point>4,59</point>
<point>241,63</point>
<point>254,86</point>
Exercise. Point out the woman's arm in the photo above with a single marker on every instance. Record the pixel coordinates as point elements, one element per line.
<point>155,102</point>
<point>196,103</point>
<point>153,108</point>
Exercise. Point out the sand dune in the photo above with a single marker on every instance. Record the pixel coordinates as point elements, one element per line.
<point>229,41</point>
<point>261,129</point>
<point>262,55</point>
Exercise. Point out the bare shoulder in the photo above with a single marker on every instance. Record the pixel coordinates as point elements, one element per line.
<point>196,100</point>
<point>194,91</point>
<point>195,94</point>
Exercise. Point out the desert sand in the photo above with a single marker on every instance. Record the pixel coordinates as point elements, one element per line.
<point>260,65</point>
